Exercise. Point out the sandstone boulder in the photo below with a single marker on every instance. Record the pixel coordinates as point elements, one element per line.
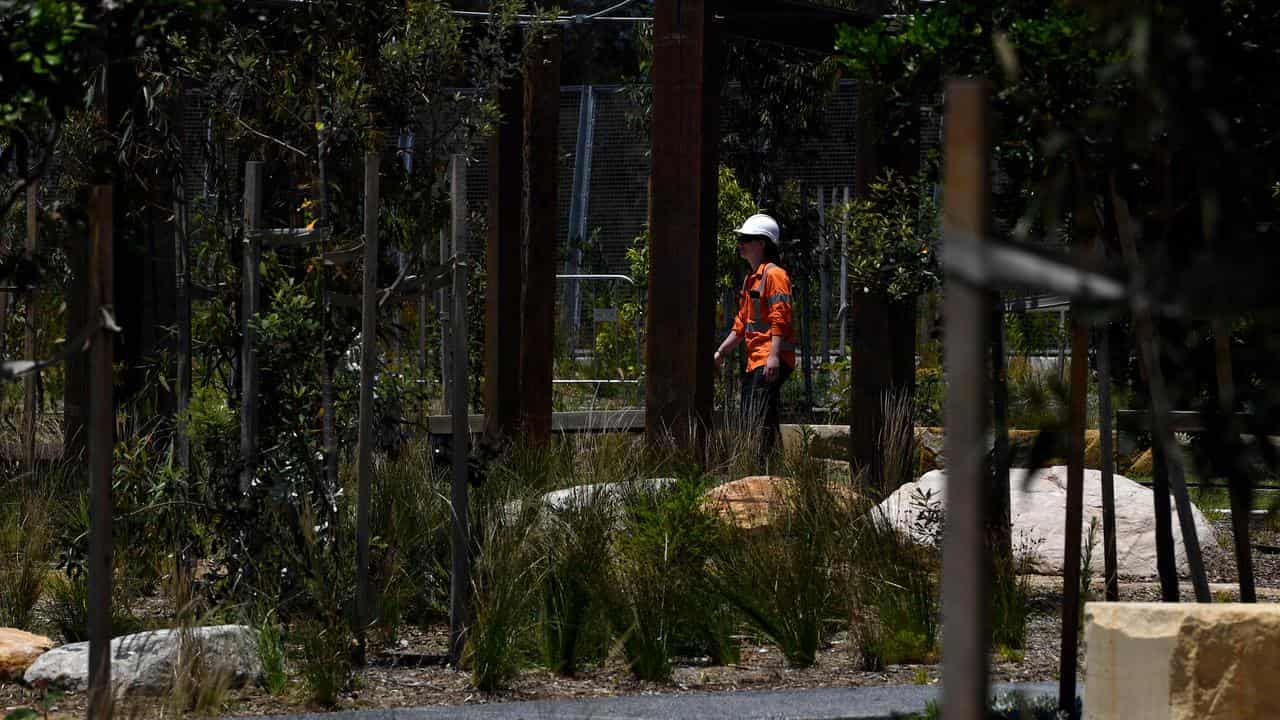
<point>147,663</point>
<point>18,649</point>
<point>752,502</point>
<point>1039,518</point>
<point>1163,661</point>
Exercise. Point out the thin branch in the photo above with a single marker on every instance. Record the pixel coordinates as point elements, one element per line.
<point>270,138</point>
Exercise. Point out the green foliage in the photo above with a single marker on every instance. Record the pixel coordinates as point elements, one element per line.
<point>736,205</point>
<point>930,397</point>
<point>782,577</point>
<point>26,534</point>
<point>269,644</point>
<point>39,81</point>
<point>1011,599</point>
<point>892,236</point>
<point>506,580</point>
<point>576,542</point>
<point>659,575</point>
<point>410,520</point>
<point>324,661</point>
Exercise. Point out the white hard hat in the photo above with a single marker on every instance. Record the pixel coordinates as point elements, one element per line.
<point>761,225</point>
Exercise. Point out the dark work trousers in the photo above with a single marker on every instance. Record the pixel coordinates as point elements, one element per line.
<point>760,408</point>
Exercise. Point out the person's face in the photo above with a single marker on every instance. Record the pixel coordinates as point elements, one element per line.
<point>750,248</point>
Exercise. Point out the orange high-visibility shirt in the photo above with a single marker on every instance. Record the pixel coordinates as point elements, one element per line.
<point>764,310</point>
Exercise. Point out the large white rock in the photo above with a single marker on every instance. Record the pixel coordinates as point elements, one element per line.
<point>1039,518</point>
<point>147,663</point>
<point>1181,661</point>
<point>610,495</point>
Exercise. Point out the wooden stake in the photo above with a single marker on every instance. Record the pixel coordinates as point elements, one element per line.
<point>966,566</point>
<point>182,289</point>
<point>101,447</point>
<point>460,576</point>
<point>30,383</point>
<point>1165,447</point>
<point>1111,574</point>
<point>249,303</point>
<point>1075,513</point>
<point>1241,493</point>
<point>368,367</point>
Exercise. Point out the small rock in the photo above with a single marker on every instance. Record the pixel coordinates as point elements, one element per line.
<point>18,649</point>
<point>147,663</point>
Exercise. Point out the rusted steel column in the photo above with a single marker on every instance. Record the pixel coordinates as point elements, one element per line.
<point>368,368</point>
<point>681,305</point>
<point>101,444</point>
<point>1077,418</point>
<point>966,565</point>
<point>541,131</point>
<point>503,266</point>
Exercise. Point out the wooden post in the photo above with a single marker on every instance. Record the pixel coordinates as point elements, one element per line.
<point>1107,451</point>
<point>825,277</point>
<point>101,447</point>
<point>460,570</point>
<point>444,303</point>
<point>1000,530</point>
<point>30,383</point>
<point>843,313</point>
<point>182,290</point>
<point>368,366</point>
<point>682,254</point>
<point>1071,590</point>
<point>1241,493</point>
<point>249,300</point>
<point>1168,465</point>
<point>541,129</point>
<point>965,568</point>
<point>503,261</point>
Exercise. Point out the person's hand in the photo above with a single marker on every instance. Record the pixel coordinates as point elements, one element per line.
<point>719,360</point>
<point>771,367</point>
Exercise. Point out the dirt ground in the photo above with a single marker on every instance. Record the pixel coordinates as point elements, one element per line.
<point>397,677</point>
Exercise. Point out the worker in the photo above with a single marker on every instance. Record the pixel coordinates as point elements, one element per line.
<point>764,322</point>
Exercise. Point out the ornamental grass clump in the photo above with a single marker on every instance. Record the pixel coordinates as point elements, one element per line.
<point>892,581</point>
<point>410,552</point>
<point>575,543</point>
<point>664,604</point>
<point>783,577</point>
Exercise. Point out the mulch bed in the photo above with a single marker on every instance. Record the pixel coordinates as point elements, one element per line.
<point>405,674</point>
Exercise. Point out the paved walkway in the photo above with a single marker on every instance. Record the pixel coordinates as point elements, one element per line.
<point>861,703</point>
